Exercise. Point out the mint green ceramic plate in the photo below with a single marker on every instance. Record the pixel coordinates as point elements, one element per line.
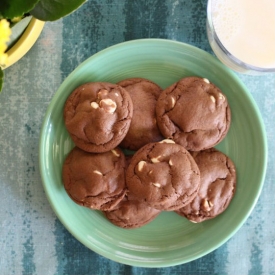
<point>169,239</point>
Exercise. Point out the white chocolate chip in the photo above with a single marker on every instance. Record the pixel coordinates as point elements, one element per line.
<point>170,162</point>
<point>207,205</point>
<point>155,160</point>
<point>102,93</point>
<point>167,141</point>
<point>157,185</point>
<point>212,98</point>
<point>141,165</point>
<point>108,105</point>
<point>221,97</point>
<point>173,101</point>
<point>206,80</point>
<point>116,94</point>
<point>150,172</point>
<point>115,153</point>
<point>97,172</point>
<point>94,105</point>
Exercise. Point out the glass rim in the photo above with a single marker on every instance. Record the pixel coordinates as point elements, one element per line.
<point>229,55</point>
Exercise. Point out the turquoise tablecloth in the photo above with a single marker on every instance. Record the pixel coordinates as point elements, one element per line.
<point>32,239</point>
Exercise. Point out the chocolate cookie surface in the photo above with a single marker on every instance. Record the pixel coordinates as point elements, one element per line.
<point>163,175</point>
<point>95,180</point>
<point>194,113</point>
<point>143,128</point>
<point>131,214</point>
<point>98,115</point>
<point>218,185</point>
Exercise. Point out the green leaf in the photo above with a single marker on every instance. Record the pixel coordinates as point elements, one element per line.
<point>14,8</point>
<point>50,10</point>
<point>1,79</point>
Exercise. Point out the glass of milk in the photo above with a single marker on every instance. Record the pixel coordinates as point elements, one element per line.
<point>242,34</point>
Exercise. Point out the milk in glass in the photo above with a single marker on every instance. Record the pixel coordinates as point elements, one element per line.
<point>246,28</point>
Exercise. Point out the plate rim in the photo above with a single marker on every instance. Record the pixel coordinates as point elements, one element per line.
<point>47,117</point>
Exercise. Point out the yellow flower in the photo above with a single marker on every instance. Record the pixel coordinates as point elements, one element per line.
<point>5,33</point>
<point>16,19</point>
<point>3,59</point>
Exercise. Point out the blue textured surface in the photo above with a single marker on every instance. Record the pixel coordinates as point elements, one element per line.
<point>32,239</point>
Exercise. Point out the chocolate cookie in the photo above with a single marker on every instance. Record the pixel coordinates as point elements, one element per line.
<point>131,214</point>
<point>218,185</point>
<point>143,128</point>
<point>95,180</point>
<point>163,175</point>
<point>194,113</point>
<point>97,116</point>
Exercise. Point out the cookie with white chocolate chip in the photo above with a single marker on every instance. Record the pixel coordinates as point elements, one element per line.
<point>131,213</point>
<point>218,185</point>
<point>194,113</point>
<point>164,175</point>
<point>93,180</point>
<point>98,115</point>
<point>143,128</point>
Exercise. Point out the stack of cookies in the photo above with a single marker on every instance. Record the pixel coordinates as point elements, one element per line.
<point>140,150</point>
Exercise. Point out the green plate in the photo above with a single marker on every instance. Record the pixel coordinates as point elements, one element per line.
<point>169,239</point>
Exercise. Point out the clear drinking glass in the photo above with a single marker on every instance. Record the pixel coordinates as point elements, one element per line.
<point>223,54</point>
